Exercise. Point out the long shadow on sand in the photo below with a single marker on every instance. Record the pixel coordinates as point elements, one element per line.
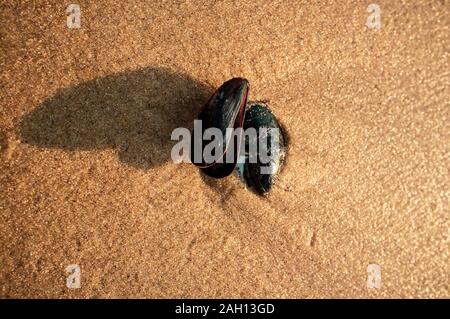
<point>133,112</point>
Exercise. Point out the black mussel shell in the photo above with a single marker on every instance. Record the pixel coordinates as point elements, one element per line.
<point>225,109</point>
<point>259,116</point>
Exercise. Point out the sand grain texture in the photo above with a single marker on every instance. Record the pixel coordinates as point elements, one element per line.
<point>86,178</point>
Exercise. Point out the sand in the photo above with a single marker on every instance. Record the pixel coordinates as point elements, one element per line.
<point>86,175</point>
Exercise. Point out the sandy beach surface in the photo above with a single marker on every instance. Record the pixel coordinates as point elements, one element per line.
<point>86,176</point>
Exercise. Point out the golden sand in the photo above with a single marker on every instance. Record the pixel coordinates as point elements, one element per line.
<point>85,170</point>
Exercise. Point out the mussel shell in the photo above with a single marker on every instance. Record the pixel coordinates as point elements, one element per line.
<point>259,116</point>
<point>225,109</point>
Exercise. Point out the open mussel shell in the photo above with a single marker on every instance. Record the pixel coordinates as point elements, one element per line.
<point>260,172</point>
<point>225,109</point>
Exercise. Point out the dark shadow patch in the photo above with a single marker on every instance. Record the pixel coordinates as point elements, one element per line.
<point>3,142</point>
<point>134,112</point>
<point>222,187</point>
